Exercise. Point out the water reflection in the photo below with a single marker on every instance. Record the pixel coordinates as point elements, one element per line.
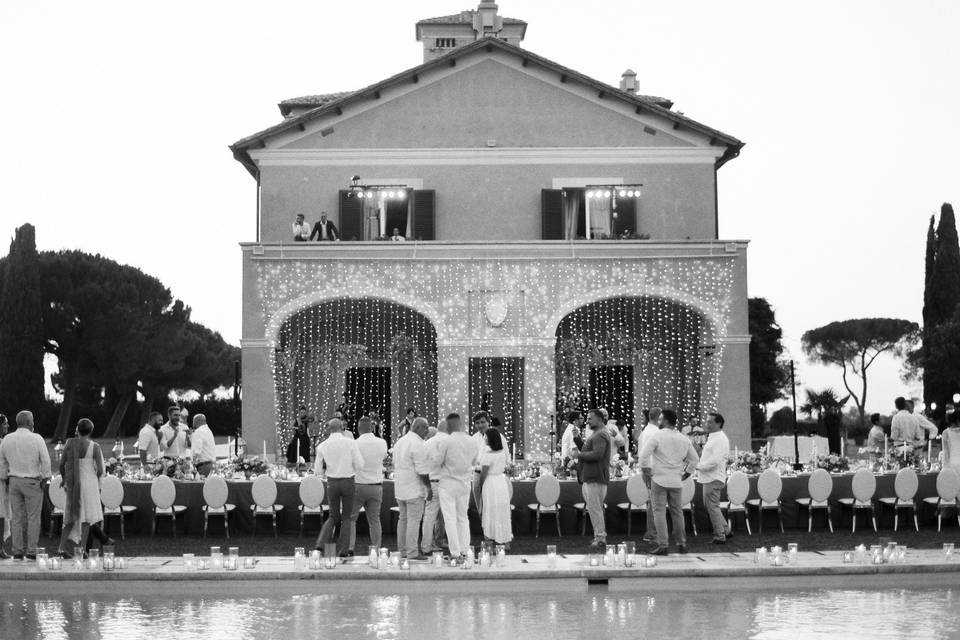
<point>457,612</point>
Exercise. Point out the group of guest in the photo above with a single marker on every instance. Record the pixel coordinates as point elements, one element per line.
<point>174,439</point>
<point>323,230</point>
<point>434,471</point>
<point>666,457</point>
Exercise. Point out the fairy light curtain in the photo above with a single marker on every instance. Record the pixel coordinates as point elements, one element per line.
<point>343,346</point>
<point>659,340</point>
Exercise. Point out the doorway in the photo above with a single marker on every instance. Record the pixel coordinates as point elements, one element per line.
<point>496,386</point>
<point>368,389</point>
<point>612,389</point>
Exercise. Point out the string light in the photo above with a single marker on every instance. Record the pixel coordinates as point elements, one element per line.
<point>322,317</point>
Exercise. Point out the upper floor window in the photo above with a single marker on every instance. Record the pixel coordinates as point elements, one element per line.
<point>446,43</point>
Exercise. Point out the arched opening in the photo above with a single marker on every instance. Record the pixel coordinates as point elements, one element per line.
<point>627,354</point>
<point>357,356</point>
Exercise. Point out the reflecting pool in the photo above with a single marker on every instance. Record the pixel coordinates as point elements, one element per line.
<point>517,610</point>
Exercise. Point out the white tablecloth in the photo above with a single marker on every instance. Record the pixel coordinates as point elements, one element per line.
<point>782,446</point>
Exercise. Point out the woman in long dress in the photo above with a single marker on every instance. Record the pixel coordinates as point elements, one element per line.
<point>4,503</point>
<point>494,492</point>
<point>81,468</point>
<point>951,443</point>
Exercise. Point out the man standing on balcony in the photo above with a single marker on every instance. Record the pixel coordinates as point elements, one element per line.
<point>301,229</point>
<point>325,230</point>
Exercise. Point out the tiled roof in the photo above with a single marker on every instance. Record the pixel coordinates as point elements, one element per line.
<point>310,102</point>
<point>650,104</point>
<point>464,17</point>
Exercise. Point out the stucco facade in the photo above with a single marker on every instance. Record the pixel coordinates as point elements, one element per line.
<point>488,130</point>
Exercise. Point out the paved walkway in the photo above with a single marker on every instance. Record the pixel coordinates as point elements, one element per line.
<point>811,566</point>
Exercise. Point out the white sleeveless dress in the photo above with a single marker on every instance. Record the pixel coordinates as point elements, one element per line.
<point>495,494</point>
<point>91,509</point>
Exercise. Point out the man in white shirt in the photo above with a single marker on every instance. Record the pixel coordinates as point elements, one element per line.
<point>369,483</point>
<point>338,457</point>
<point>904,428</point>
<point>924,423</point>
<point>411,483</point>
<point>432,509</point>
<point>301,229</point>
<point>456,455</point>
<point>570,434</point>
<point>712,475</point>
<point>173,435</point>
<point>148,441</point>
<point>668,454</point>
<point>652,427</point>
<point>204,446</point>
<point>396,237</point>
<point>24,469</point>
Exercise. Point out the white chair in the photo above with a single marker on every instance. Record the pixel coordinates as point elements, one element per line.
<point>111,496</point>
<point>738,490</point>
<point>687,492</point>
<point>264,492</point>
<point>948,485</point>
<point>164,493</point>
<point>637,496</point>
<point>864,485</point>
<point>215,494</point>
<point>905,487</point>
<point>547,491</point>
<point>581,509</point>
<point>769,486</point>
<point>311,499</point>
<point>58,497</point>
<point>819,486</point>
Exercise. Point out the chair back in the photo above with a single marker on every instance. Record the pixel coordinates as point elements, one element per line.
<point>687,491</point>
<point>215,492</point>
<point>312,492</point>
<point>906,484</point>
<point>738,488</point>
<point>948,484</point>
<point>111,492</point>
<point>163,492</point>
<point>637,492</point>
<point>820,485</point>
<point>57,495</point>
<point>264,492</point>
<point>547,490</point>
<point>769,485</point>
<point>864,485</point>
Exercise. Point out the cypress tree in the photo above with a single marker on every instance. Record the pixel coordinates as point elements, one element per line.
<point>941,300</point>
<point>21,326</point>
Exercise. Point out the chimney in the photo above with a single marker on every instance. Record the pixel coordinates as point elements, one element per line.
<point>628,81</point>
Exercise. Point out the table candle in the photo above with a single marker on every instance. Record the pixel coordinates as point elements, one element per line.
<point>298,452</point>
<point>121,563</point>
<point>438,559</point>
<point>884,446</point>
<point>948,550</point>
<point>405,564</point>
<point>594,561</point>
<point>551,556</point>
<point>793,553</point>
<point>650,562</point>
<point>847,557</point>
<point>501,555</point>
<point>189,563</point>
<point>929,450</point>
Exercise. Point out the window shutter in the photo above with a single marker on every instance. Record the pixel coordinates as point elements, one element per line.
<point>351,217</point>
<point>424,224</point>
<point>552,214</point>
<point>626,220</point>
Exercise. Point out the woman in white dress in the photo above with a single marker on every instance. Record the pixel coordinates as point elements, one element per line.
<point>951,443</point>
<point>4,503</point>
<point>81,468</point>
<point>494,492</point>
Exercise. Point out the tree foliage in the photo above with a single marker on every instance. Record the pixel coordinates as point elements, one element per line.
<point>21,326</point>
<point>769,374</point>
<point>823,402</point>
<point>853,345</point>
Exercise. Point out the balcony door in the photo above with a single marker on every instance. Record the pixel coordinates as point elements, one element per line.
<point>567,214</point>
<point>375,218</point>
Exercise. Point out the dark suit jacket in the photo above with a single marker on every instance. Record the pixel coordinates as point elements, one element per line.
<point>332,232</point>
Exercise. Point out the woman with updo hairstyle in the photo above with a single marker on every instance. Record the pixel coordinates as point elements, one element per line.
<point>81,468</point>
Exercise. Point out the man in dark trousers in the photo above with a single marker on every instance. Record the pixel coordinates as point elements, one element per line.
<point>325,230</point>
<point>593,472</point>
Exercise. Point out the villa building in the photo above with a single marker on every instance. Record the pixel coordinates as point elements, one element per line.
<point>560,249</point>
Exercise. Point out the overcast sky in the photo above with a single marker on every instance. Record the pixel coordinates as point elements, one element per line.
<point>117,115</point>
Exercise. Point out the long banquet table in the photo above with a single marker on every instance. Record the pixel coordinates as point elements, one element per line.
<point>190,494</point>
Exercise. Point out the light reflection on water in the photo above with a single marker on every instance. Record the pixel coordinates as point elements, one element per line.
<point>459,613</point>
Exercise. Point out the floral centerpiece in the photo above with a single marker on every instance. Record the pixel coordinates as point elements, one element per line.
<point>116,467</point>
<point>176,468</point>
<point>833,463</point>
<point>249,466</point>
<point>749,462</point>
